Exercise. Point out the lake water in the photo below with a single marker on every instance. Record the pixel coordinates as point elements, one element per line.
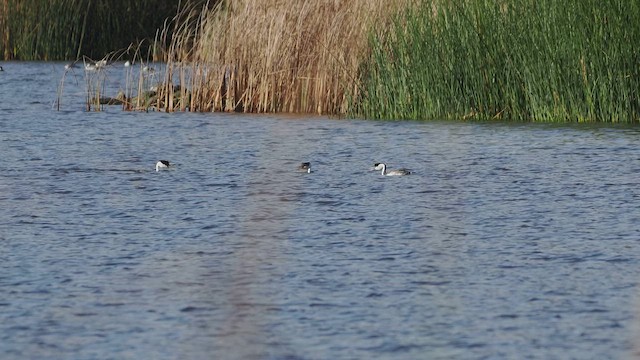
<point>507,241</point>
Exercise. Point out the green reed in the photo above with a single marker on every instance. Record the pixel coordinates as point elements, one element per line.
<point>68,29</point>
<point>31,27</point>
<point>550,60</point>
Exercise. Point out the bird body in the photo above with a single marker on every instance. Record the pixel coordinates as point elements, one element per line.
<point>383,168</point>
<point>305,166</point>
<point>162,164</point>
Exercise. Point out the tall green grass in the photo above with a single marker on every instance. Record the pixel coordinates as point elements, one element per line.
<point>68,29</point>
<point>541,60</point>
<point>31,27</point>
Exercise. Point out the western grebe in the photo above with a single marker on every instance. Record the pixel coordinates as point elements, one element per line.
<point>162,164</point>
<point>383,168</point>
<point>98,65</point>
<point>305,166</point>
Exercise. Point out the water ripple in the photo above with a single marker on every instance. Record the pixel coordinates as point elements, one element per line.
<point>506,240</point>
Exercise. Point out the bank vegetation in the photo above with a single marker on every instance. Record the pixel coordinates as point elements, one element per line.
<point>523,60</point>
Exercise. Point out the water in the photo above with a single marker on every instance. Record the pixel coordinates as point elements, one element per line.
<point>506,242</point>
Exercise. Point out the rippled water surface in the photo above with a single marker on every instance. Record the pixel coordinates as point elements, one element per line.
<point>506,242</point>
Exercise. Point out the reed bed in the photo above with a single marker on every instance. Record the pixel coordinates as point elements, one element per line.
<point>554,60</point>
<point>291,56</point>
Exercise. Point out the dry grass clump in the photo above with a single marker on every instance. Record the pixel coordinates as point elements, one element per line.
<point>293,56</point>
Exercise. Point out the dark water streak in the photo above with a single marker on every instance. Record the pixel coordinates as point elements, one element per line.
<point>508,241</point>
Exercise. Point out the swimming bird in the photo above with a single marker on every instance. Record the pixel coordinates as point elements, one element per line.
<point>98,65</point>
<point>1,69</point>
<point>162,164</point>
<point>383,167</point>
<point>306,166</point>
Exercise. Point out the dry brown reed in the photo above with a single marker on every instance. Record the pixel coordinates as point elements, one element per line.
<point>293,56</point>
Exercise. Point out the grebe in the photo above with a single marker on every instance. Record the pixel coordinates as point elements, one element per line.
<point>383,167</point>
<point>305,166</point>
<point>162,164</point>
<point>98,65</point>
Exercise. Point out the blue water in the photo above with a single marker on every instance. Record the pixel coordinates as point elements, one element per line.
<point>506,242</point>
